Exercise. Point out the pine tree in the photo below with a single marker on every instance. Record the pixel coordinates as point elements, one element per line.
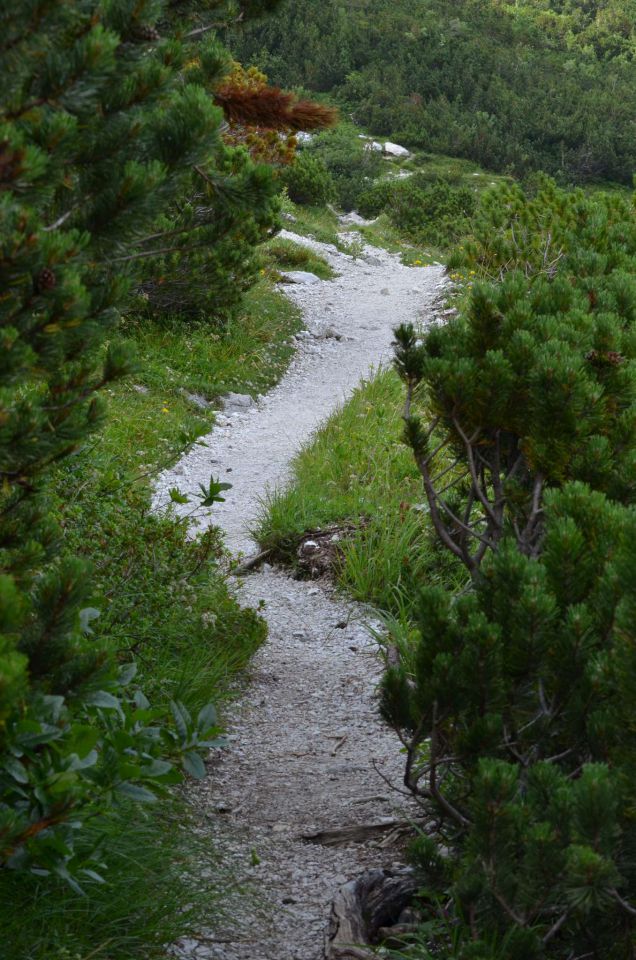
<point>200,258</point>
<point>533,384</point>
<point>515,703</point>
<point>100,127</point>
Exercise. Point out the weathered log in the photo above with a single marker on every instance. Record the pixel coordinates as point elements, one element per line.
<point>363,907</point>
<point>357,833</point>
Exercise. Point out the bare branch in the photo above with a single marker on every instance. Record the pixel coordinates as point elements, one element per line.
<point>554,929</point>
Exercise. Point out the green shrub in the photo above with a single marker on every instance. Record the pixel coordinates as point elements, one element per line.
<point>352,165</point>
<point>514,702</point>
<point>101,128</point>
<point>533,229</point>
<point>517,700</point>
<point>377,198</point>
<point>228,209</point>
<point>436,213</point>
<point>308,181</point>
<point>161,883</point>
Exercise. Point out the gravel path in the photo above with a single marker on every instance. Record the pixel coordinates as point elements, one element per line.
<point>308,750</point>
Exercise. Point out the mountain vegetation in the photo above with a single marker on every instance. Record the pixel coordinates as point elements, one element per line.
<point>128,200</point>
<point>513,702</point>
<point>532,85</point>
<point>143,171</point>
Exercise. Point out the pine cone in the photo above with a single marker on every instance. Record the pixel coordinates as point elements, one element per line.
<point>46,280</point>
<point>612,358</point>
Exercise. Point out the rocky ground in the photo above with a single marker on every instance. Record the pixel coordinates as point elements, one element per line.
<point>308,751</point>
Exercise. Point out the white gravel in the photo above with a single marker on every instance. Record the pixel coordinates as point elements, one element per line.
<point>306,739</point>
<point>252,449</point>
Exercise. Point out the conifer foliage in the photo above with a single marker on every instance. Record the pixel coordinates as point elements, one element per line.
<point>100,127</point>
<point>515,704</point>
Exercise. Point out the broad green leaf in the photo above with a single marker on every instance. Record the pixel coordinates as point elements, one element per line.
<point>182,718</point>
<point>16,769</point>
<point>135,792</point>
<point>127,673</point>
<point>102,698</point>
<point>193,763</point>
<point>207,717</point>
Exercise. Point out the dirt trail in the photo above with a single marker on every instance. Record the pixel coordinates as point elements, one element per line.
<point>308,750</point>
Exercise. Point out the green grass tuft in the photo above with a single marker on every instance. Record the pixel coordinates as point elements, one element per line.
<point>281,254</point>
<point>357,470</point>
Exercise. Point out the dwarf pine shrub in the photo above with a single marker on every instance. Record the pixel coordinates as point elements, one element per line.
<point>515,703</point>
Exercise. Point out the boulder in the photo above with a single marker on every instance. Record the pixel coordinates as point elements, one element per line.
<point>237,402</point>
<point>356,219</point>
<point>395,150</point>
<point>197,399</point>
<point>299,276</point>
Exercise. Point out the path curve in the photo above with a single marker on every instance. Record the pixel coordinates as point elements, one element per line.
<point>306,739</point>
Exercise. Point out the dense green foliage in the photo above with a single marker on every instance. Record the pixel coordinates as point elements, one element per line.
<point>152,892</point>
<point>536,84</point>
<point>209,239</point>
<point>434,213</point>
<point>525,688</point>
<point>308,181</point>
<point>106,124</point>
<point>352,166</point>
<point>515,701</point>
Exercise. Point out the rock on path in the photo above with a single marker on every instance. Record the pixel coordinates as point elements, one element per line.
<point>308,749</point>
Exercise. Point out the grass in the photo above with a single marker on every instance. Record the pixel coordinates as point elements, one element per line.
<point>150,418</point>
<point>280,254</point>
<point>164,600</point>
<point>159,886</point>
<point>357,470</point>
<point>321,223</point>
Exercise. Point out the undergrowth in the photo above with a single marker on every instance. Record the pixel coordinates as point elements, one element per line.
<point>161,881</point>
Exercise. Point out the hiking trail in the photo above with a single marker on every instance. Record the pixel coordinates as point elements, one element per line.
<point>308,750</point>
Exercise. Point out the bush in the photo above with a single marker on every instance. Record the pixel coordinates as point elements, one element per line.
<point>514,702</point>
<point>308,181</point>
<point>351,164</point>
<point>435,213</point>
<point>534,229</point>
<point>517,701</point>
<point>101,130</point>
<point>230,207</point>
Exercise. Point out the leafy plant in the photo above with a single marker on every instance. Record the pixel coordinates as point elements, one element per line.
<point>60,759</point>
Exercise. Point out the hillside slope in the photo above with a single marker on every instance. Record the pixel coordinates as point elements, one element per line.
<point>541,84</point>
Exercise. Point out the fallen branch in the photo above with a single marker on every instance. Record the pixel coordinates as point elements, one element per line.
<point>357,833</point>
